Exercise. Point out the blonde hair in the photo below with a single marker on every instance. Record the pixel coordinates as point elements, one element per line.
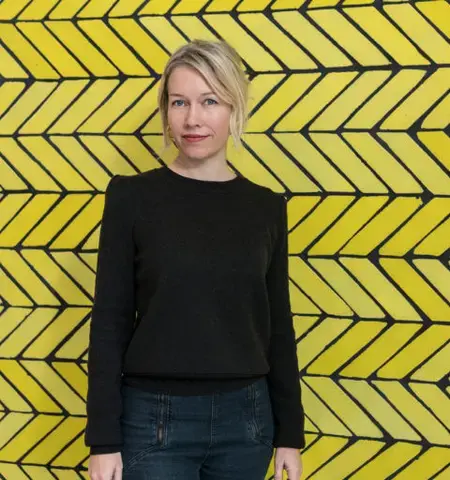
<point>220,65</point>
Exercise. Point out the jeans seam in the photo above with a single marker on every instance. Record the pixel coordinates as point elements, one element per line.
<point>255,413</point>
<point>254,416</point>
<point>211,430</point>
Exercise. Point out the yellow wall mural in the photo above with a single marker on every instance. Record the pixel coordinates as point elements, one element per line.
<point>350,117</point>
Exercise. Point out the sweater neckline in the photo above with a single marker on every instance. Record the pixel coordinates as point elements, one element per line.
<point>202,184</point>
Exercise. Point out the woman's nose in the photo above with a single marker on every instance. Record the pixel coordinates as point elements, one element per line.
<point>192,116</point>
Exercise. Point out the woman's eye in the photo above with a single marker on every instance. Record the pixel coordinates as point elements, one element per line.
<point>210,100</point>
<point>177,104</point>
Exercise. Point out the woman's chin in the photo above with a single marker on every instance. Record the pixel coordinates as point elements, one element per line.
<point>198,153</point>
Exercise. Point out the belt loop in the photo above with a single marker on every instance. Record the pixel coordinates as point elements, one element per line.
<point>163,416</point>
<point>253,408</point>
<point>251,392</point>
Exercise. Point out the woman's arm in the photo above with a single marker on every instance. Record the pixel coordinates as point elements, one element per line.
<point>283,378</point>
<point>112,318</point>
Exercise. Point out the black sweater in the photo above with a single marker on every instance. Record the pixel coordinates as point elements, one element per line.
<point>191,297</point>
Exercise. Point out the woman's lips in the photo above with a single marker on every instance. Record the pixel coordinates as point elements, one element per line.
<point>194,138</point>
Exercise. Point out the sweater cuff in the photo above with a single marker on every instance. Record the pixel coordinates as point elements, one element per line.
<point>99,449</point>
<point>290,432</point>
<point>289,439</point>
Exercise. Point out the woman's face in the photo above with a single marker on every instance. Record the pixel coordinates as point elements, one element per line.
<point>199,121</point>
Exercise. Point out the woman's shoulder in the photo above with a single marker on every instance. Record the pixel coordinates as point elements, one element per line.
<point>265,194</point>
<point>133,182</point>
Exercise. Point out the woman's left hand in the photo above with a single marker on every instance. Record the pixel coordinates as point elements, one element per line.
<point>289,459</point>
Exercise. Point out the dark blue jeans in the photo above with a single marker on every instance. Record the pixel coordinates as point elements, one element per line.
<point>221,436</point>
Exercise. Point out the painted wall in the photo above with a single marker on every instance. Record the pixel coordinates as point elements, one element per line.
<point>350,117</point>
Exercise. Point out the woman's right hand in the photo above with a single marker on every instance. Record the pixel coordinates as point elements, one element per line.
<point>105,466</point>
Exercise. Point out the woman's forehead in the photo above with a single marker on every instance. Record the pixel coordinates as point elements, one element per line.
<point>188,82</point>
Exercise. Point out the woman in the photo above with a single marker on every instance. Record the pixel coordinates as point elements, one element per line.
<point>192,359</point>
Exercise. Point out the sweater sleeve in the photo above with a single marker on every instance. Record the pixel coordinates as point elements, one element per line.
<point>283,377</point>
<point>112,319</point>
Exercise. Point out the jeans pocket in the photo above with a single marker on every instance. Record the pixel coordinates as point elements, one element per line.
<point>144,424</point>
<point>261,414</point>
